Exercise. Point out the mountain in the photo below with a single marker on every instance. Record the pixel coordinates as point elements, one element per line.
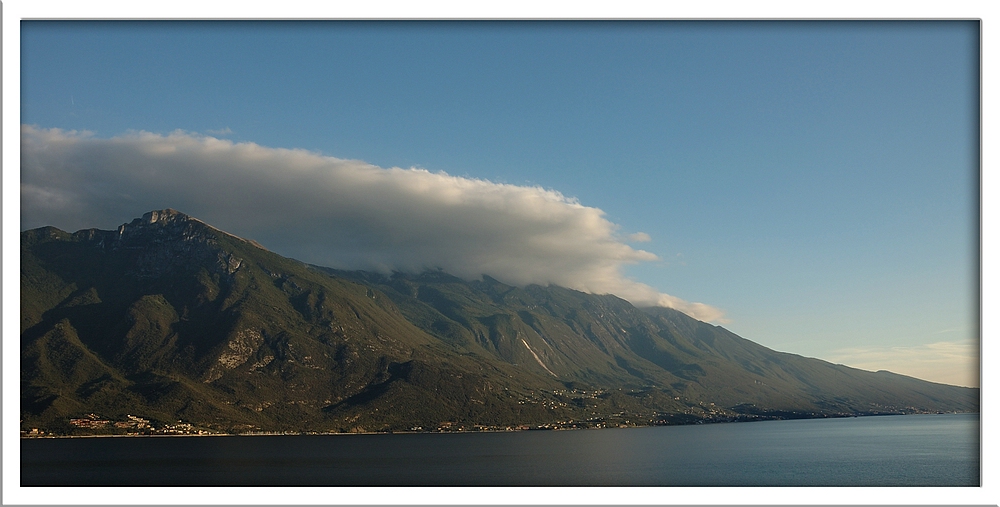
<point>170,320</point>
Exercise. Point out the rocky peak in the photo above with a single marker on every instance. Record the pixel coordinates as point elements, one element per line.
<point>161,227</point>
<point>165,241</point>
<point>163,224</point>
<point>164,215</point>
<point>176,225</point>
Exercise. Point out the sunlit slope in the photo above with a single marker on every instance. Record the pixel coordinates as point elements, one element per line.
<point>603,340</point>
<point>736,367</point>
<point>169,318</point>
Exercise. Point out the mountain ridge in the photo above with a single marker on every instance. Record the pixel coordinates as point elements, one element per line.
<point>171,318</point>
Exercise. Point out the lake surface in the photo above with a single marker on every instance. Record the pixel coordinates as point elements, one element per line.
<point>913,450</point>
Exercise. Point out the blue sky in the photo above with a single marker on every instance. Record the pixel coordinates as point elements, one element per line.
<point>816,182</point>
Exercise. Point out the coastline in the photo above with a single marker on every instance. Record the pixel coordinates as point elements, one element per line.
<point>462,430</point>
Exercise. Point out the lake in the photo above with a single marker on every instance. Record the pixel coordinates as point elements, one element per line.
<point>912,450</point>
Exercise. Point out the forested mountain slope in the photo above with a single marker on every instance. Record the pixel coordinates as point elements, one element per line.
<point>168,318</point>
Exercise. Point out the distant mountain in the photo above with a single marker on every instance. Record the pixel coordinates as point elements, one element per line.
<point>168,319</point>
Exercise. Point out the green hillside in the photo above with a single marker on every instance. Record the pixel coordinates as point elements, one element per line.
<point>169,319</point>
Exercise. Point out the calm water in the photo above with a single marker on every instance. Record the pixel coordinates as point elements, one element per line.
<point>925,450</point>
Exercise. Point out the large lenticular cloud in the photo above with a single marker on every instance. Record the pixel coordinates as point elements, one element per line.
<point>333,212</point>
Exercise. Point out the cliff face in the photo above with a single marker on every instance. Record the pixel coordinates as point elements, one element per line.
<point>169,318</point>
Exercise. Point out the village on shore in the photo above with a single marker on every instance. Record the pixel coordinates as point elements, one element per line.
<point>94,425</point>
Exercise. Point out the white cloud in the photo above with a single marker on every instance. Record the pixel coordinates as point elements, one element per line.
<point>639,237</point>
<point>955,363</point>
<point>334,212</point>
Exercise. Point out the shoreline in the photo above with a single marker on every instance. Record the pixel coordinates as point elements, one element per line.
<point>319,433</point>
